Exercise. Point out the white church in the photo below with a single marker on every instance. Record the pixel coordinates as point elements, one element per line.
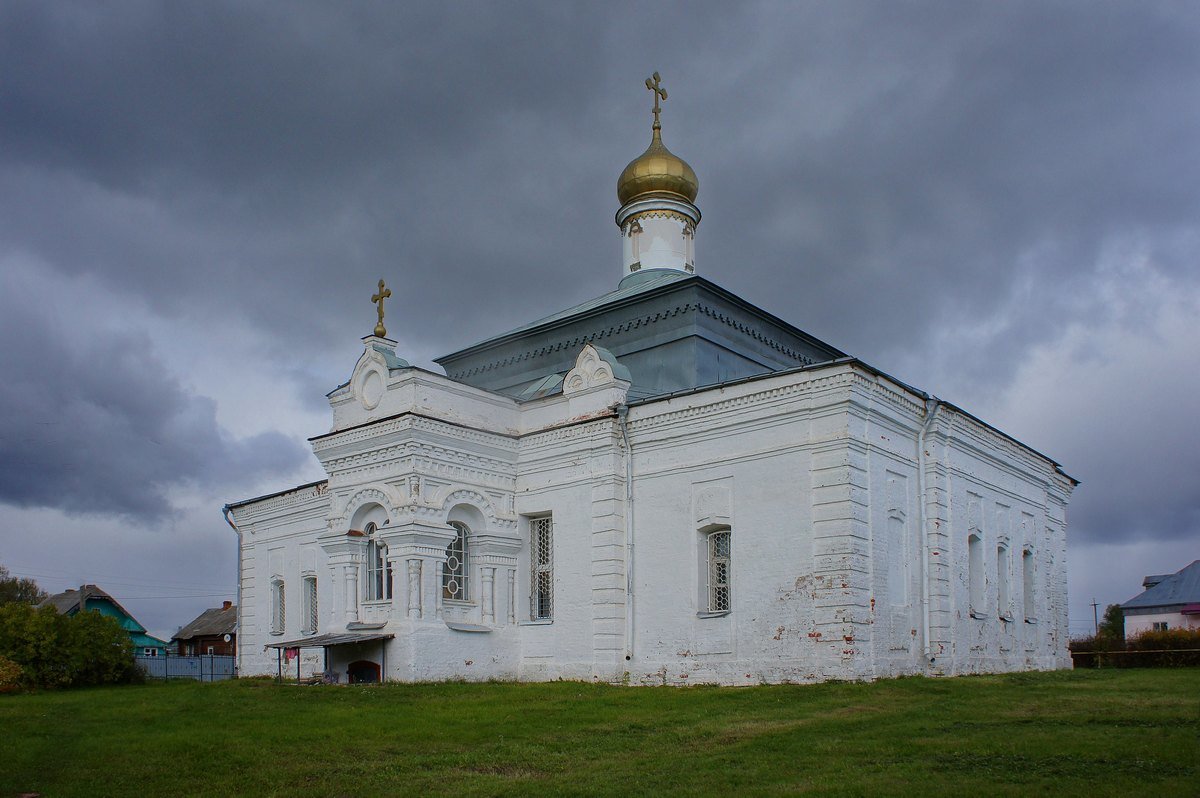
<point>661,485</point>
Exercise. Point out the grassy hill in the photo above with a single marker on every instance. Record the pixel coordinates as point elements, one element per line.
<point>1091,733</point>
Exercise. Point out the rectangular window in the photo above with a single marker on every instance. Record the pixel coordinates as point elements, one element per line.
<point>210,650</point>
<point>718,571</point>
<point>277,607</point>
<point>149,652</point>
<point>310,605</point>
<point>1160,626</point>
<point>1029,593</point>
<point>1003,589</point>
<point>541,568</point>
<point>975,573</point>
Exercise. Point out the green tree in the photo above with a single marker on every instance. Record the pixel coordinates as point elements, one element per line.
<point>14,590</point>
<point>1112,625</point>
<point>54,650</point>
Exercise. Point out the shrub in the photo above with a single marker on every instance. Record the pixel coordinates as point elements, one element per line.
<point>53,650</point>
<point>1173,648</point>
<point>10,675</point>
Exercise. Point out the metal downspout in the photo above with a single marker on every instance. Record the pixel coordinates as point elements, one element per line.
<point>237,637</point>
<point>622,419</point>
<point>932,403</point>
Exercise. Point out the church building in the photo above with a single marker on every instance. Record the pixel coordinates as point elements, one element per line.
<point>662,485</point>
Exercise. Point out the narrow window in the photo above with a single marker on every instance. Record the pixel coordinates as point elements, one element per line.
<point>310,605</point>
<point>454,569</point>
<point>277,607</point>
<point>718,571</point>
<point>897,560</point>
<point>379,568</point>
<point>975,573</point>
<point>1027,585</point>
<point>541,562</point>
<point>1003,590</point>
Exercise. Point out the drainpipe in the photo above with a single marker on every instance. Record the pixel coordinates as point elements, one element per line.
<point>623,421</point>
<point>932,403</point>
<point>237,638</point>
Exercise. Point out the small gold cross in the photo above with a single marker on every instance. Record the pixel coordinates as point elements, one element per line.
<point>378,298</point>
<point>659,91</point>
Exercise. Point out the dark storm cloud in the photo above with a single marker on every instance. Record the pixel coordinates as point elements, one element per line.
<point>102,426</point>
<point>934,187</point>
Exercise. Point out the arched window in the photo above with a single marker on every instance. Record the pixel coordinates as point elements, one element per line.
<point>975,573</point>
<point>1029,588</point>
<point>379,569</point>
<point>454,569</point>
<point>1003,582</point>
<point>311,615</point>
<point>277,606</point>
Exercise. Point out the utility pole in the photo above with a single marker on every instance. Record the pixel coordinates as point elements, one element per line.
<point>1095,617</point>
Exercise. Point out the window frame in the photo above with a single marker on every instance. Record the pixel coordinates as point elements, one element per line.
<point>1004,581</point>
<point>379,567</point>
<point>976,596</point>
<point>541,568</point>
<point>278,606</point>
<point>459,548</point>
<point>717,592</point>
<point>310,607</point>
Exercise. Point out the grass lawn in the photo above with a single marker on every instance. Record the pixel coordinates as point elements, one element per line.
<point>1108,732</point>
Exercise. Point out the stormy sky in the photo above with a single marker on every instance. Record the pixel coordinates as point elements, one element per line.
<point>996,202</point>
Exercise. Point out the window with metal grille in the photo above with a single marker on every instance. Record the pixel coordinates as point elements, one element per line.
<point>379,569</point>
<point>310,605</point>
<point>277,607</point>
<point>541,568</point>
<point>718,571</point>
<point>454,569</point>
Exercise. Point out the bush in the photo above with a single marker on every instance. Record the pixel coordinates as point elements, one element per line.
<point>53,650</point>
<point>1173,648</point>
<point>10,675</point>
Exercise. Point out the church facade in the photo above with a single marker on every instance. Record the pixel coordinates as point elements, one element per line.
<point>662,485</point>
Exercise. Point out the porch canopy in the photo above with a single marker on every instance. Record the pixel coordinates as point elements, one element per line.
<point>333,639</point>
<point>328,641</point>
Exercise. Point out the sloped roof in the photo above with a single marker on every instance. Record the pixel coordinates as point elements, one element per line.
<point>68,602</point>
<point>1182,587</point>
<point>216,621</point>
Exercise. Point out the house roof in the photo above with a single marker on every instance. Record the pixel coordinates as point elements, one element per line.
<point>215,621</point>
<point>69,601</point>
<point>1182,587</point>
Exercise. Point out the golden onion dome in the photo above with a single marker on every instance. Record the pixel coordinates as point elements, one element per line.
<point>657,171</point>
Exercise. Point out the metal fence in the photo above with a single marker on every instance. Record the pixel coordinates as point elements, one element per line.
<point>202,668</point>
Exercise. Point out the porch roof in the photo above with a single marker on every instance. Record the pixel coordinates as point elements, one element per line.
<point>333,639</point>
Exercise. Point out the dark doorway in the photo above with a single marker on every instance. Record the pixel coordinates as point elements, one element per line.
<point>363,671</point>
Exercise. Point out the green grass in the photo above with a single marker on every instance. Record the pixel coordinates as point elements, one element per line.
<point>1090,733</point>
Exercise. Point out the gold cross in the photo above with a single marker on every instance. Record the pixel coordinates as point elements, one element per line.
<point>659,91</point>
<point>378,298</point>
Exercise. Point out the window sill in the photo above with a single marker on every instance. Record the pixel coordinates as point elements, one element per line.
<point>466,603</point>
<point>376,602</point>
<point>979,616</point>
<point>717,614</point>
<point>1031,620</point>
<point>1005,618</point>
<point>536,622</point>
<point>467,627</point>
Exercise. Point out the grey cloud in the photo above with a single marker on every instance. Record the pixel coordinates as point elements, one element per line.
<point>103,426</point>
<point>932,187</point>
